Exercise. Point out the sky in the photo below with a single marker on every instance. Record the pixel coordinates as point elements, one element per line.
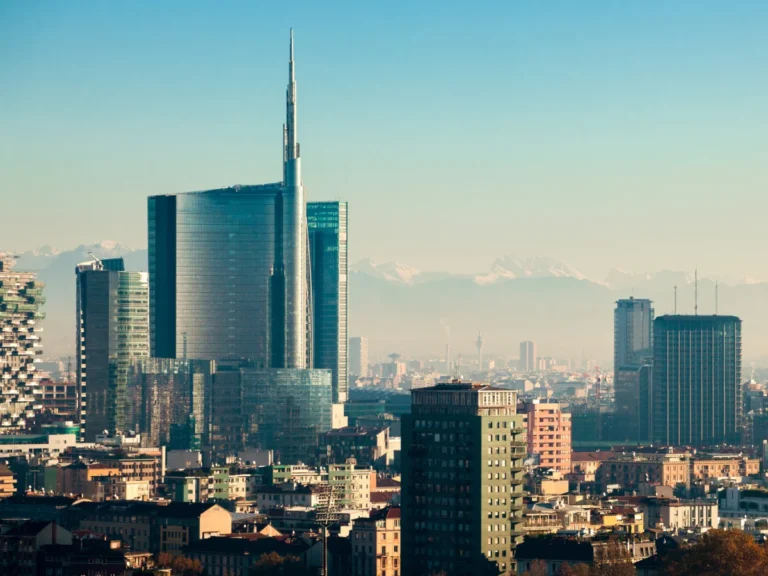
<point>603,134</point>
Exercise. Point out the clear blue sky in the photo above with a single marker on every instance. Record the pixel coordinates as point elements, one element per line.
<point>628,134</point>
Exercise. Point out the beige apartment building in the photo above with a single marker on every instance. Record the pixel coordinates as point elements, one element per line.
<point>376,544</point>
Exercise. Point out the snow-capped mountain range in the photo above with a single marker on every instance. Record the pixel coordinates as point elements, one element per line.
<point>401,308</point>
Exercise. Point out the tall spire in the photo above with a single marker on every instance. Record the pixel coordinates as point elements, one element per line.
<point>292,172</point>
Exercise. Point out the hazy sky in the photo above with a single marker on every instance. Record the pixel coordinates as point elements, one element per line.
<point>605,134</point>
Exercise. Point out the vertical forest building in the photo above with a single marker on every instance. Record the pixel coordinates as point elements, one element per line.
<point>21,298</point>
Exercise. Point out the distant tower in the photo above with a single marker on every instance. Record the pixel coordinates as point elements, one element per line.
<point>527,356</point>
<point>697,388</point>
<point>479,344</point>
<point>448,368</point>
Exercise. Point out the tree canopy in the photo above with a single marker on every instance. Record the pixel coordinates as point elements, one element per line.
<point>719,553</point>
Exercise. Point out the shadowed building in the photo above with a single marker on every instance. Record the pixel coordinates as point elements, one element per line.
<point>113,329</point>
<point>462,498</point>
<point>697,387</point>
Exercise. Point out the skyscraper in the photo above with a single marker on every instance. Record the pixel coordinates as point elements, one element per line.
<point>112,329</point>
<point>328,227</point>
<point>462,498</point>
<point>358,356</point>
<point>696,387</point>
<point>528,356</point>
<point>632,333</point>
<point>228,267</point>
<point>21,297</point>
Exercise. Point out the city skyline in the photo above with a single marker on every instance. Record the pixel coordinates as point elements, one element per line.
<point>605,141</point>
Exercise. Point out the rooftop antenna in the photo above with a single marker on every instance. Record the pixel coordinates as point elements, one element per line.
<point>675,300</point>
<point>696,292</point>
<point>716,296</point>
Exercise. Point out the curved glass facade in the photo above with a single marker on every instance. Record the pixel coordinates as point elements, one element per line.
<point>212,258</point>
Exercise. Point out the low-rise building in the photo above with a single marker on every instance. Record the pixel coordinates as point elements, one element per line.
<point>20,543</point>
<point>7,482</point>
<point>674,514</point>
<point>154,526</point>
<point>554,551</point>
<point>368,446</point>
<point>707,466</point>
<point>376,543</point>
<point>286,495</point>
<point>742,503</point>
<point>355,483</point>
<point>235,555</point>
<point>631,470</point>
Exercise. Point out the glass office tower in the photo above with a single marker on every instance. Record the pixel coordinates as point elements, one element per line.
<point>228,267</point>
<point>286,410</point>
<point>328,227</point>
<point>696,387</point>
<point>166,401</point>
<point>113,329</point>
<point>212,268</point>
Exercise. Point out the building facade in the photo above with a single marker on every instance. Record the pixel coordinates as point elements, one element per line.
<point>631,470</point>
<point>327,223</point>
<point>697,387</point>
<point>632,332</point>
<point>286,410</point>
<point>463,451</point>
<point>549,435</point>
<point>528,357</point>
<point>376,545</point>
<point>21,300</point>
<point>113,329</point>
<point>358,356</point>
<point>167,400</point>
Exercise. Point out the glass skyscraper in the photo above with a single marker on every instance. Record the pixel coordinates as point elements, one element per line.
<point>212,264</point>
<point>696,387</point>
<point>113,329</point>
<point>228,267</point>
<point>328,228</point>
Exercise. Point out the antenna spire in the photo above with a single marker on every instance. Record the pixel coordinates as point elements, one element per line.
<point>716,296</point>
<point>675,300</point>
<point>292,164</point>
<point>696,292</point>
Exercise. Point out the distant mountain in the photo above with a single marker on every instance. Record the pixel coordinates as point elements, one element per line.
<point>511,267</point>
<point>406,310</point>
<point>37,259</point>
